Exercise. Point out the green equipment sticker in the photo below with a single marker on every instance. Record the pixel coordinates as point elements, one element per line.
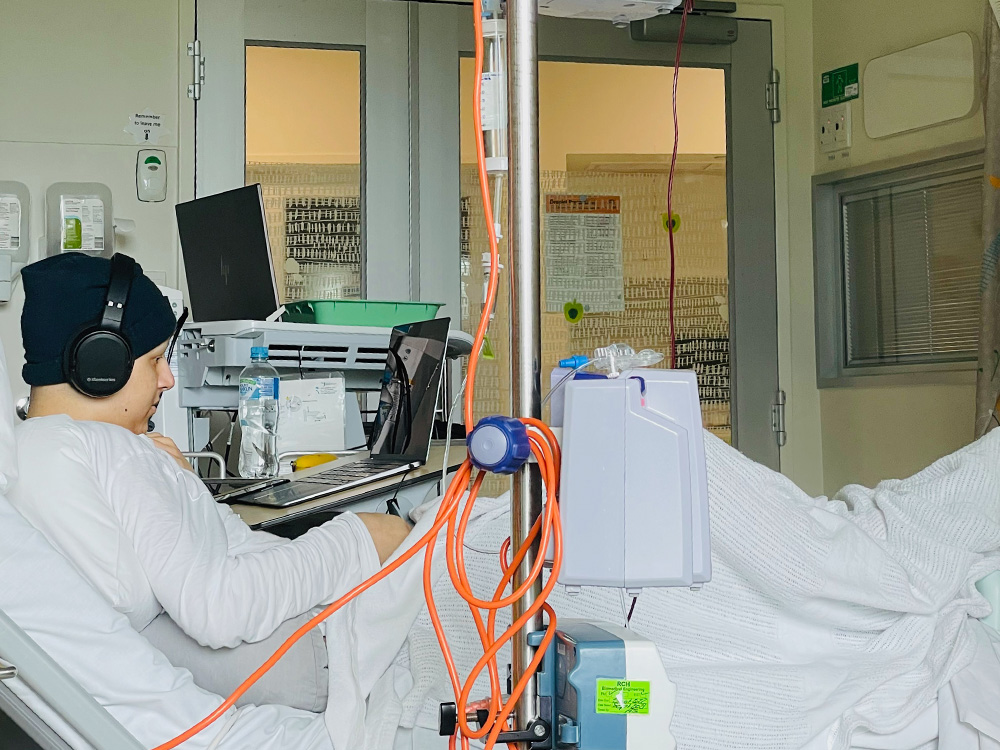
<point>622,697</point>
<point>841,85</point>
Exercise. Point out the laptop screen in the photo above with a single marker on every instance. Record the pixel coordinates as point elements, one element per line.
<point>227,256</point>
<point>410,386</point>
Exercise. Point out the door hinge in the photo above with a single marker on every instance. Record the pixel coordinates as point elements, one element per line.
<point>778,418</point>
<point>771,96</point>
<point>197,70</point>
<point>7,671</point>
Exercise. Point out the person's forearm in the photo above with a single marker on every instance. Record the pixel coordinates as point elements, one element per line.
<point>387,532</point>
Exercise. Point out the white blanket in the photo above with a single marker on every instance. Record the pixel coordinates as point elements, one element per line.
<point>824,617</point>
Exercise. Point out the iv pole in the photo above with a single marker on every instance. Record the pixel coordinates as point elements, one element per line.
<point>524,240</point>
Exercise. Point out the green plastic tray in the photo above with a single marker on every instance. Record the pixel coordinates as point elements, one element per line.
<point>355,312</point>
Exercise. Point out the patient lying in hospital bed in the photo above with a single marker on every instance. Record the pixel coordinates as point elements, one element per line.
<point>824,619</point>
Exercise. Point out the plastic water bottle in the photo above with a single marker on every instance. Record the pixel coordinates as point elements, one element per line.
<point>259,417</point>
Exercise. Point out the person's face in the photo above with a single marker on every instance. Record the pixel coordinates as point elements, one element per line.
<point>134,405</point>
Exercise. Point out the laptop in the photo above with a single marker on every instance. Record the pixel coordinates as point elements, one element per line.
<point>227,256</point>
<point>401,433</point>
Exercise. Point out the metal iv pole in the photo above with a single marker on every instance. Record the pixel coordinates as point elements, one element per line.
<point>524,239</point>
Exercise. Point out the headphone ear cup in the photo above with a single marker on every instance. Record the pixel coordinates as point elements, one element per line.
<point>99,363</point>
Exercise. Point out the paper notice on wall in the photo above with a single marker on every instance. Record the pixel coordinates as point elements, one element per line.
<point>583,253</point>
<point>10,222</point>
<point>146,127</point>
<point>82,224</point>
<point>311,415</point>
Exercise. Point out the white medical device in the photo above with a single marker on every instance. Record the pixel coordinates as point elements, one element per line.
<point>602,687</point>
<point>619,12</point>
<point>634,489</point>
<point>634,514</point>
<point>15,210</point>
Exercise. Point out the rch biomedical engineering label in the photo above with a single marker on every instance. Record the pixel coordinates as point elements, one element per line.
<point>622,697</point>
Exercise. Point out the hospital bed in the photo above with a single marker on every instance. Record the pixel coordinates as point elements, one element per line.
<point>30,670</point>
<point>46,699</point>
<point>37,670</point>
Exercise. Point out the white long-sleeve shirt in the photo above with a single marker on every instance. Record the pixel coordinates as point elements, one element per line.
<point>96,646</point>
<point>150,537</point>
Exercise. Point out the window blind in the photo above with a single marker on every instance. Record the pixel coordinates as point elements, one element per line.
<point>912,256</point>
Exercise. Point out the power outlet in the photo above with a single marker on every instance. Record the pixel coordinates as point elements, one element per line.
<point>835,128</point>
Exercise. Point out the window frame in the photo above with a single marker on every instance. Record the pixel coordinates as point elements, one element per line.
<point>832,369</point>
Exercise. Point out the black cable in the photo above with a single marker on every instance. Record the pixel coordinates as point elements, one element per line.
<point>392,505</point>
<point>994,415</point>
<point>631,609</point>
<point>176,335</point>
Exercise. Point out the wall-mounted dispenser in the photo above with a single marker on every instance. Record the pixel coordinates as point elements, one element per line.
<point>15,212</point>
<point>78,218</point>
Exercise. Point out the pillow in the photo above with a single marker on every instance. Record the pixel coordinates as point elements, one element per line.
<point>8,450</point>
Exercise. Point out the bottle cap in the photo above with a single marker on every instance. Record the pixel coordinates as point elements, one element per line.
<point>258,352</point>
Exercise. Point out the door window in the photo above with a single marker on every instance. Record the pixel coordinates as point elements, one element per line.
<point>303,145</point>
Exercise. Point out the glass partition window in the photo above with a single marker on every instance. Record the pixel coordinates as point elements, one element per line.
<point>898,257</point>
<point>303,145</point>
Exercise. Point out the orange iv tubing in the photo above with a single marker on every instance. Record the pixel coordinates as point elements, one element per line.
<point>453,520</point>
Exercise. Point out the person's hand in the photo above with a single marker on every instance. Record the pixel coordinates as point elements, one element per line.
<point>388,532</point>
<point>170,447</point>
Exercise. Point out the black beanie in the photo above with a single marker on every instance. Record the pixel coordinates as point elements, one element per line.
<point>65,294</point>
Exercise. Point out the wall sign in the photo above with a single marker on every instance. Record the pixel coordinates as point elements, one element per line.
<point>146,127</point>
<point>841,85</point>
<point>583,253</point>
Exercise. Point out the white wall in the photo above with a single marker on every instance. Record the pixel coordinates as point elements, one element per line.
<point>839,436</point>
<point>876,433</point>
<point>72,76</point>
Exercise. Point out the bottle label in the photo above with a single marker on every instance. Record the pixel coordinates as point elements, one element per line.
<point>252,389</point>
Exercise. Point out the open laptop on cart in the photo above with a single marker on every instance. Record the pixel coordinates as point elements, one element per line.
<point>401,434</point>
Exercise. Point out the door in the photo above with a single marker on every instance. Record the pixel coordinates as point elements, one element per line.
<point>335,169</point>
<point>419,222</point>
<point>606,133</point>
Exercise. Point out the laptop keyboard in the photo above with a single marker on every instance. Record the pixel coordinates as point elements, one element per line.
<point>355,471</point>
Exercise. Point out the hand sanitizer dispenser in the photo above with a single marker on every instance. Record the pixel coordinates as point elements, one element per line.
<point>151,175</point>
<point>15,208</point>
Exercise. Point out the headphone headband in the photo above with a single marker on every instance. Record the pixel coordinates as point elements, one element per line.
<point>119,286</point>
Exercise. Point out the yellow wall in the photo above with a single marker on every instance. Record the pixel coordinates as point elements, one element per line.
<point>303,105</point>
<point>877,433</point>
<point>71,79</point>
<point>629,111</point>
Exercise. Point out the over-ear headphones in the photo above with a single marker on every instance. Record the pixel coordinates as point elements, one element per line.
<point>98,361</point>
